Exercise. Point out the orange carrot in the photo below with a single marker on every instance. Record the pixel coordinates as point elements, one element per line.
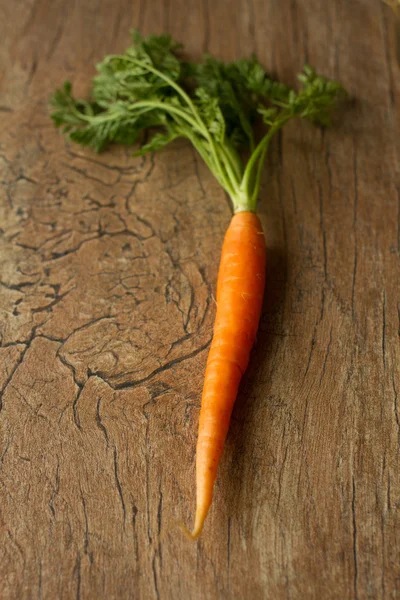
<point>214,105</point>
<point>240,291</point>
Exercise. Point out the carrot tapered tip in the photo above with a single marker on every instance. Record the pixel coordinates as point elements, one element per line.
<point>191,535</point>
<point>201,514</point>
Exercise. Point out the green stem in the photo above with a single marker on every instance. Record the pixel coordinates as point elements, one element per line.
<point>169,109</point>
<point>167,79</point>
<point>228,180</point>
<point>198,145</point>
<point>188,101</point>
<point>248,185</point>
<point>205,154</point>
<point>230,166</point>
<point>218,164</point>
<point>257,182</point>
<point>147,104</point>
<point>248,172</point>
<point>234,159</point>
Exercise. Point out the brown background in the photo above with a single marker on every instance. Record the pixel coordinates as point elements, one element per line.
<point>108,268</point>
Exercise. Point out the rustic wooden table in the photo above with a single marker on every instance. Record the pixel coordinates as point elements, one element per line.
<point>108,267</point>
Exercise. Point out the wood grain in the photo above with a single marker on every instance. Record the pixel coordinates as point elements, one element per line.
<point>108,267</point>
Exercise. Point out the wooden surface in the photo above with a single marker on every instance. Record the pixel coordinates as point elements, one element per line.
<point>108,268</point>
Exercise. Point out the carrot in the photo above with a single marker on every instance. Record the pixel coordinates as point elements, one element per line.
<point>213,105</point>
<point>240,292</point>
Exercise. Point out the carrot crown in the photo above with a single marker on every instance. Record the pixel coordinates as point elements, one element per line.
<point>213,104</point>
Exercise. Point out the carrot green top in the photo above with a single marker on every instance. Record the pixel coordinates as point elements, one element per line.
<point>213,104</point>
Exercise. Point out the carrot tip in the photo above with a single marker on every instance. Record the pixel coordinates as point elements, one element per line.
<point>191,535</point>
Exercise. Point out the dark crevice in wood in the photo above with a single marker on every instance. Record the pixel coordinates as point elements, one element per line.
<point>165,367</point>
<point>118,483</point>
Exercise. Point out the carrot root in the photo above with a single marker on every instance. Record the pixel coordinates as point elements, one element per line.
<point>240,290</point>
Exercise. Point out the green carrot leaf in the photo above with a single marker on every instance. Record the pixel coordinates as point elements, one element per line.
<point>157,142</point>
<point>215,105</point>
